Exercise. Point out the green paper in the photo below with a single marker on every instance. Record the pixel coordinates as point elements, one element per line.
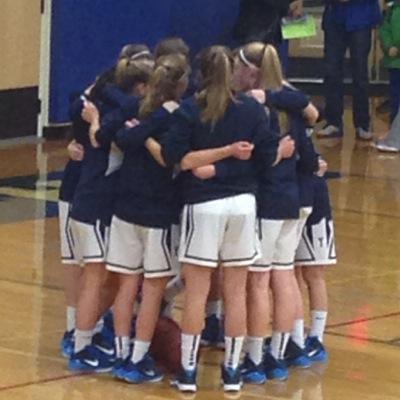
<point>300,29</point>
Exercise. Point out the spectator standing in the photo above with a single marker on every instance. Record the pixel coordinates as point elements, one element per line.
<point>348,24</point>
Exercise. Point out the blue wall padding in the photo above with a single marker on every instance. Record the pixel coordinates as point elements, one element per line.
<point>88,34</point>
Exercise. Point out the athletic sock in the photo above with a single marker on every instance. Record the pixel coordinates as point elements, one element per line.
<point>71,318</point>
<point>99,326</point>
<point>233,349</point>
<point>140,349</point>
<point>279,343</point>
<point>298,333</point>
<point>122,346</point>
<point>82,339</point>
<point>254,349</point>
<point>214,307</point>
<point>318,323</point>
<point>190,347</point>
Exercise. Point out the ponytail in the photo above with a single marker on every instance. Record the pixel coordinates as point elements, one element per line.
<point>129,73</point>
<point>170,72</point>
<point>216,94</point>
<point>266,59</point>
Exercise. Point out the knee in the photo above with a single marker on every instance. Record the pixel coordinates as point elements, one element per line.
<point>313,275</point>
<point>258,283</point>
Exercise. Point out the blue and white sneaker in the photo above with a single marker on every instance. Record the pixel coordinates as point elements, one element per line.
<point>296,356</point>
<point>67,344</point>
<point>252,373</point>
<point>144,371</point>
<point>104,345</point>
<point>118,368</point>
<point>90,359</point>
<point>275,369</point>
<point>316,350</point>
<point>186,381</point>
<point>231,379</point>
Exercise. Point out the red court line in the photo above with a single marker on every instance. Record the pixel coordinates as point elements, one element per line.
<point>361,338</point>
<point>357,321</point>
<point>41,381</point>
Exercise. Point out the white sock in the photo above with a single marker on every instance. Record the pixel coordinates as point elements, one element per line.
<point>214,307</point>
<point>122,346</point>
<point>82,339</point>
<point>318,323</point>
<point>298,333</point>
<point>190,348</point>
<point>99,326</point>
<point>279,343</point>
<point>233,349</point>
<point>139,350</point>
<point>71,318</point>
<point>254,348</point>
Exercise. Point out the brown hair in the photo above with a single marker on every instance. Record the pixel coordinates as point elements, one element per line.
<point>266,58</point>
<point>216,65</point>
<point>173,45</point>
<point>129,73</point>
<point>170,71</point>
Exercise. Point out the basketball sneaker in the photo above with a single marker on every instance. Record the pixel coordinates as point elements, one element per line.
<point>118,368</point>
<point>316,350</point>
<point>252,373</point>
<point>90,359</point>
<point>330,132</point>
<point>275,369</point>
<point>296,356</point>
<point>231,379</point>
<point>67,344</point>
<point>144,371</point>
<point>104,344</point>
<point>185,381</point>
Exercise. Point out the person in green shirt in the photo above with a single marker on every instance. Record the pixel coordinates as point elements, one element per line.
<point>390,39</point>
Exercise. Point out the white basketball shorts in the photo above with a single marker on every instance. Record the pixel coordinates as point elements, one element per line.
<point>135,249</point>
<point>221,232</point>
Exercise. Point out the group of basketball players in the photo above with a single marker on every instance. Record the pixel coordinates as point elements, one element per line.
<point>204,182</point>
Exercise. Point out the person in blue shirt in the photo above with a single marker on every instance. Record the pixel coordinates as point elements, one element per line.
<point>143,236</point>
<point>257,66</point>
<point>104,89</point>
<point>93,202</point>
<point>219,216</point>
<point>348,24</point>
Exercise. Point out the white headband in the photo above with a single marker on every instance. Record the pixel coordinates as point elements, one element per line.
<point>244,59</point>
<point>140,54</point>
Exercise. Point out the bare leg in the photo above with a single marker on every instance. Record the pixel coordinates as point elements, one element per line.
<point>153,291</point>
<point>197,287</point>
<point>124,302</point>
<point>90,296</point>
<point>258,307</point>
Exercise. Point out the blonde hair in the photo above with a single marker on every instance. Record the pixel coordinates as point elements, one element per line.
<point>129,73</point>
<point>216,70</point>
<point>170,71</point>
<point>266,58</point>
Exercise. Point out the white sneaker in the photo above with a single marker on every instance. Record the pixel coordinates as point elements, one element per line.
<point>381,146</point>
<point>363,134</point>
<point>330,131</point>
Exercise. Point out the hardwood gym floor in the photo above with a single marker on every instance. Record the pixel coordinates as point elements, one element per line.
<point>363,336</point>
